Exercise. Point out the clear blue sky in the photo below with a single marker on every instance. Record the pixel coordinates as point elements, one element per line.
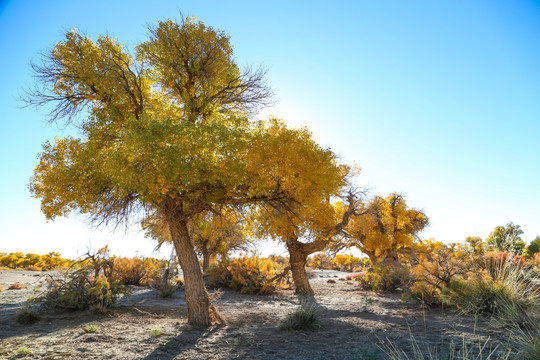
<point>437,100</point>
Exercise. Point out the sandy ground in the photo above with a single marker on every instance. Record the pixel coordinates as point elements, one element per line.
<point>355,321</point>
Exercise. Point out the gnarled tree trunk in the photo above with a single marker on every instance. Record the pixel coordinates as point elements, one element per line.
<point>197,299</point>
<point>297,260</point>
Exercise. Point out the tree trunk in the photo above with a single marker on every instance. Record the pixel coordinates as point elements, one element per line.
<point>206,259</point>
<point>197,299</point>
<point>209,259</point>
<point>298,260</point>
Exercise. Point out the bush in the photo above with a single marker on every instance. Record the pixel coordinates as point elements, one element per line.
<point>26,316</point>
<point>346,262</point>
<point>305,318</point>
<point>434,272</point>
<point>87,287</point>
<point>508,294</point>
<point>385,278</point>
<point>166,284</point>
<point>29,261</point>
<point>137,271</point>
<point>249,275</point>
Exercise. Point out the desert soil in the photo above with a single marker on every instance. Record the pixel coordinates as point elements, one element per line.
<point>356,323</point>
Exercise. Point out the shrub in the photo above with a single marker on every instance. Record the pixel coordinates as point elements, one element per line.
<point>87,287</point>
<point>304,318</point>
<point>137,271</point>
<point>346,262</point>
<point>448,350</point>
<point>509,294</point>
<point>321,261</point>
<point>166,284</point>
<point>434,272</point>
<point>26,316</point>
<point>385,278</point>
<point>249,275</point>
<point>29,261</point>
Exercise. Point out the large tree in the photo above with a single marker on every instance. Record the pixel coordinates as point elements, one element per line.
<point>164,132</point>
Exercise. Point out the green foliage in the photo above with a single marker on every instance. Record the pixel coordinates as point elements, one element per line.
<point>305,318</point>
<point>385,278</point>
<point>156,332</point>
<point>507,238</point>
<point>534,246</point>
<point>24,351</point>
<point>91,328</point>
<point>249,275</point>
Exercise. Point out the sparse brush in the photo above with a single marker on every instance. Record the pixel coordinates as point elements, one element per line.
<point>156,333</point>
<point>166,283</point>
<point>26,316</point>
<point>528,343</point>
<point>447,351</point>
<point>165,289</point>
<point>305,318</point>
<point>16,286</point>
<point>509,295</point>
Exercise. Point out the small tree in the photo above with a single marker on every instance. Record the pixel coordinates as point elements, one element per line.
<point>387,229</point>
<point>507,238</point>
<point>534,246</point>
<point>307,176</point>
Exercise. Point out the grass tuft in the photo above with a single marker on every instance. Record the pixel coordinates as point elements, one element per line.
<point>24,351</point>
<point>26,316</point>
<point>91,328</point>
<point>305,318</point>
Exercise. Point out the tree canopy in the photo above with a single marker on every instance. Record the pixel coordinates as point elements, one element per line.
<point>507,238</point>
<point>166,131</point>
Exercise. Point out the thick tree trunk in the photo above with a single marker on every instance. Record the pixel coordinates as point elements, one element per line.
<point>197,299</point>
<point>298,260</point>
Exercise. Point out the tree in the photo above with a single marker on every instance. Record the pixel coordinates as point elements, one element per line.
<point>387,229</point>
<point>475,245</point>
<point>165,132</point>
<point>213,233</point>
<point>307,176</point>
<point>534,246</point>
<point>507,238</point>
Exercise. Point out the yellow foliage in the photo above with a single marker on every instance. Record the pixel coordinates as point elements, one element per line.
<point>29,261</point>
<point>249,275</point>
<point>388,228</point>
